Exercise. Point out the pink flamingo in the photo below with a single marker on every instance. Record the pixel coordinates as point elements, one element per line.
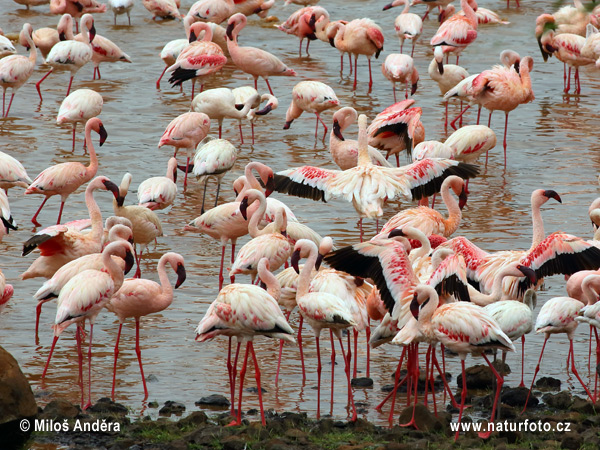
<point>29,3</point>
<point>137,297</point>
<point>558,316</point>
<point>407,25</point>
<point>248,7</point>
<point>215,11</point>
<point>484,15</point>
<point>244,93</point>
<point>313,97</point>
<point>252,60</point>
<point>430,5</point>
<point>44,39</point>
<point>78,107</point>
<point>60,244</point>
<point>198,60</point>
<point>76,9</point>
<point>458,31</point>
<point>504,89</point>
<point>82,298</point>
<point>159,192</point>
<point>302,24</point>
<point>186,131</point>
<point>590,314</point>
<point>165,9</point>
<point>172,49</point>
<point>322,310</point>
<point>119,7</point>
<point>345,151</point>
<point>400,68</point>
<point>71,55</point>
<point>245,311</point>
<point>65,178</point>
<point>15,70</point>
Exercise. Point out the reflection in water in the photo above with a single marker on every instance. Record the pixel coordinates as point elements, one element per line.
<point>552,144</point>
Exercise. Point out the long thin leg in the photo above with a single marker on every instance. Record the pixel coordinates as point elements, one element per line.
<point>332,370</point>
<point>89,402</point>
<point>568,88</point>
<point>38,312</point>
<point>242,375</point>
<point>453,123</point>
<point>392,394</point>
<point>522,360</point>
<point>368,332</point>
<point>354,370</point>
<point>432,381</point>
<point>350,60</point>
<point>241,134</point>
<point>221,279</point>
<point>218,189</point>
<point>537,369</point>
<point>427,358</point>
<point>287,317</point>
<point>355,70</point>
<point>37,85</point>
<point>505,132</point>
<point>499,383</point>
<point>463,397</point>
<point>574,370</point>
<point>257,377</point>
<point>10,103</point>
<point>80,360</point>
<point>60,211</point>
<point>394,91</point>
<point>590,352</point>
<point>370,75</point>
<point>138,352</point>
<point>115,364</point>
<point>229,373</point>
<point>70,83</point>
<point>204,195</point>
<point>324,126</point>
<point>187,165</point>
<point>319,367</point>
<point>74,127</point>
<point>347,358</point>
<point>269,86</point>
<point>299,339</point>
<point>160,78</point>
<point>234,375</point>
<point>33,219</point>
<point>443,375</point>
<point>415,375</point>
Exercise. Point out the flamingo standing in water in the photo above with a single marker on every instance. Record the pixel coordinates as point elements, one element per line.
<point>15,70</point>
<point>245,311</point>
<point>6,46</point>
<point>172,49</point>
<point>455,34</point>
<point>159,192</point>
<point>82,298</point>
<point>119,7</point>
<point>166,9</point>
<point>252,60</point>
<point>65,178</point>
<point>407,25</point>
<point>400,68</point>
<point>313,97</point>
<point>242,94</point>
<point>71,55</point>
<point>302,24</point>
<point>429,3</point>
<point>137,297</point>
<point>78,107</point>
<point>186,131</point>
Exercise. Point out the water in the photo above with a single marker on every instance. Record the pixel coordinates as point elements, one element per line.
<point>552,145</point>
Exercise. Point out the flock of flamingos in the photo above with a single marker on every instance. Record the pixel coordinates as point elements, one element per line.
<point>419,282</point>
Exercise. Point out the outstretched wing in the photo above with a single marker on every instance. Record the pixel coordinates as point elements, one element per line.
<point>306,182</point>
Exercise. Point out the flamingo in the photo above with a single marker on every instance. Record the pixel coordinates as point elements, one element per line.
<point>244,311</point>
<point>431,4</point>
<point>558,316</point>
<point>215,11</point>
<point>515,320</point>
<point>112,222</point>
<point>82,298</point>
<point>146,224</point>
<point>92,261</point>
<point>165,9</point>
<point>345,151</point>
<point>78,107</point>
<point>407,25</point>
<point>252,60</point>
<point>198,60</point>
<point>7,47</point>
<point>458,31</point>
<point>272,244</point>
<point>172,49</point>
<point>76,9</point>
<point>137,297</point>
<point>65,178</point>
<point>321,310</point>
<point>7,222</point>
<point>396,128</point>
<point>242,94</point>
<point>214,159</point>
<point>302,24</point>
<point>15,70</point>
<point>591,47</point>
<point>313,97</point>
<point>469,142</point>
<point>44,39</point>
<point>220,103</point>
<point>368,186</point>
<point>60,244</point>
<point>463,328</point>
<point>225,222</point>
<point>504,89</point>
<point>484,15</point>
<point>71,55</point>
<point>590,314</point>
<point>186,131</point>
<point>248,7</point>
<point>6,290</point>
<point>159,192</point>
<point>399,68</point>
<point>119,7</point>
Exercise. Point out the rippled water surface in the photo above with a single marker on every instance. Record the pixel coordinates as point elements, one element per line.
<point>553,144</point>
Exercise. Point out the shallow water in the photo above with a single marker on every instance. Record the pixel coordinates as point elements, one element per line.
<point>553,144</point>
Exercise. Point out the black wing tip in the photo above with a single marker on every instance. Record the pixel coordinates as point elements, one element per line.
<point>180,75</point>
<point>285,185</point>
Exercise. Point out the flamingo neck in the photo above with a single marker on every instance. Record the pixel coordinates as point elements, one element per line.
<point>469,12</point>
<point>95,215</point>
<point>93,166</point>
<point>538,223</point>
<point>304,277</point>
<point>250,178</point>
<point>293,112</point>
<point>454,212</point>
<point>525,77</point>
<point>495,295</point>
<point>363,147</point>
<point>165,284</point>
<point>257,217</point>
<point>273,287</point>
<point>427,311</point>
<point>406,6</point>
<point>113,269</point>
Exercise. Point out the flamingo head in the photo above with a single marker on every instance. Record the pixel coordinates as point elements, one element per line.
<point>462,198</point>
<point>181,274</point>
<point>415,307</point>
<point>529,273</point>
<point>129,260</point>
<point>244,207</point>
<point>396,232</point>
<point>269,185</point>
<point>549,193</point>
<point>337,130</point>
<point>295,258</point>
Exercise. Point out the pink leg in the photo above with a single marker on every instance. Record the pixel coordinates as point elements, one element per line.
<point>350,60</point>
<point>499,383</point>
<point>415,376</point>
<point>397,383</point>
<point>324,126</point>
<point>220,128</point>
<point>317,127</point>
<point>505,132</point>
<point>405,90</point>
<point>98,70</point>
<point>463,397</point>
<point>187,165</point>
<point>37,85</point>
<point>49,357</point>
<point>287,317</point>
<point>299,339</point>
<point>432,381</point>
<point>221,279</point>
<point>256,83</point>
<point>394,90</point>
<point>229,373</point>
<point>89,402</point>
<point>115,364</point>
<point>160,78</point>
<point>370,75</point>
<point>78,336</point>
<point>522,360</point>
<point>368,332</point>
<point>74,127</point>
<point>241,134</point>
<point>193,87</point>
<point>33,219</point>
<point>478,114</point>
<point>332,370</point>
<point>350,396</point>
<point>427,358</point>
<point>70,83</point>
<point>453,123</point>
<point>62,205</point>
<point>269,86</point>
<point>354,370</point>
<point>597,362</point>
<point>590,352</point>
<point>568,81</point>
<point>433,201</point>
<point>355,71</point>
<point>242,375</point>
<point>9,103</point>
<point>537,369</point>
<point>38,312</point>
<point>318,379</point>
<point>442,373</point>
<point>574,370</point>
<point>252,128</point>
<point>138,352</point>
<point>233,377</point>
<point>257,377</point>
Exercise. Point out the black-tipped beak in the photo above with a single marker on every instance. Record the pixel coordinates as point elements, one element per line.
<point>284,233</point>
<point>266,110</point>
<point>319,261</point>
<point>517,65</point>
<point>103,135</point>
<point>552,194</point>
<point>287,125</point>
<point>414,307</point>
<point>180,275</point>
<point>441,67</point>
<point>413,89</point>
<point>184,169</point>
<point>8,225</point>
<point>62,36</point>
<point>529,273</point>
<point>379,50</point>
<point>92,33</point>
<point>235,192</point>
<point>129,261</point>
<point>544,53</point>
<point>332,42</point>
<point>244,208</point>
<point>388,6</point>
<point>294,260</point>
<point>120,200</point>
<point>193,37</point>
<point>337,130</point>
<point>229,31</point>
<point>112,187</point>
<point>239,106</point>
<point>462,199</point>
<point>270,186</point>
<point>396,232</point>
<point>312,21</point>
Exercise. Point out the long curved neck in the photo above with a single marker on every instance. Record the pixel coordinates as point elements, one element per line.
<point>95,215</point>
<point>406,6</point>
<point>454,212</point>
<point>495,295</point>
<point>250,178</point>
<point>538,223</point>
<point>428,310</point>
<point>165,284</point>
<point>469,13</point>
<point>304,278</point>
<point>113,269</point>
<point>69,30</point>
<point>293,112</point>
<point>363,147</point>
<point>273,286</point>
<point>93,166</point>
<point>525,77</point>
<point>32,50</point>
<point>256,218</point>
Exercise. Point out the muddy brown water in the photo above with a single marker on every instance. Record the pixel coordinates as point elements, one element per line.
<point>553,144</point>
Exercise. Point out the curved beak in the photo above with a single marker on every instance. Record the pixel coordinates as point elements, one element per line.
<point>239,106</point>
<point>229,31</point>
<point>379,50</point>
<point>319,261</point>
<point>193,37</point>
<point>266,110</point>
<point>414,307</point>
<point>337,130</point>
<point>529,273</point>
<point>62,36</point>
<point>284,233</point>
<point>294,260</point>
<point>332,42</point>
<point>396,232</point>
<point>386,7</point>
<point>188,169</point>
<point>552,194</point>
<point>180,275</point>
<point>112,187</point>
<point>244,208</point>
<point>129,262</point>
<point>441,67</point>
<point>92,33</point>
<point>103,135</point>
<point>287,125</point>
<point>270,186</point>
<point>462,199</point>
<point>413,89</point>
